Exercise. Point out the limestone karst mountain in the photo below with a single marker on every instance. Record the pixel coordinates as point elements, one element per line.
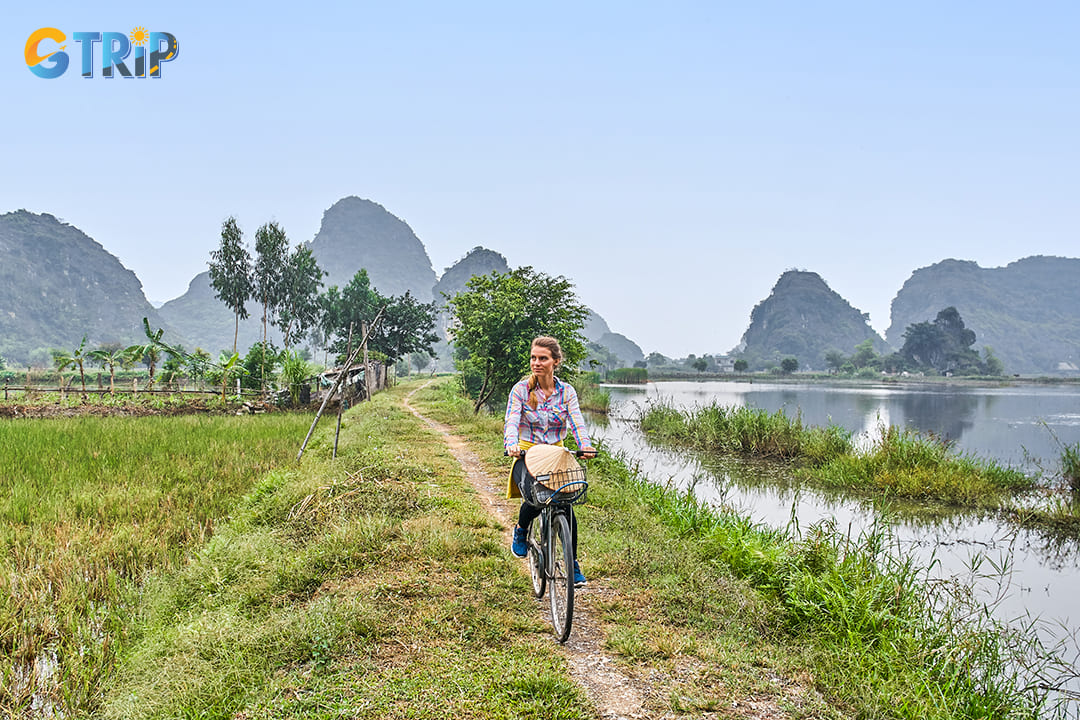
<point>1027,311</point>
<point>56,285</point>
<point>803,318</point>
<point>355,234</point>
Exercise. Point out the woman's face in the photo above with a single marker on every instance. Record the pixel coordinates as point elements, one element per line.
<point>541,362</point>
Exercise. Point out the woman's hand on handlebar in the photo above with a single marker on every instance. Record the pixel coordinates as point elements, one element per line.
<point>587,452</point>
<point>513,451</point>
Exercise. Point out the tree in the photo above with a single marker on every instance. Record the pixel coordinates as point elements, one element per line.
<point>271,256</point>
<point>700,364</point>
<point>835,360</point>
<point>77,358</point>
<point>172,370</point>
<point>864,355</point>
<point>420,360</point>
<point>110,357</point>
<point>299,294</point>
<point>789,365</point>
<point>991,364</point>
<point>198,364</point>
<point>406,326</point>
<point>149,352</point>
<point>497,317</point>
<point>741,365</point>
<point>356,304</point>
<point>943,345</point>
<point>656,359</point>
<point>230,273</point>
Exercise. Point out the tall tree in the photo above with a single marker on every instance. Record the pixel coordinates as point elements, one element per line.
<point>407,325</point>
<point>271,257</point>
<point>299,297</point>
<point>230,273</point>
<point>497,317</point>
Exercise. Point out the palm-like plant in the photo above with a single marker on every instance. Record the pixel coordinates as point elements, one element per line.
<point>110,358</point>
<point>148,353</point>
<point>77,358</point>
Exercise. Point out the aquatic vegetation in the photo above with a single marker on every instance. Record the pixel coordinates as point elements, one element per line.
<point>900,462</point>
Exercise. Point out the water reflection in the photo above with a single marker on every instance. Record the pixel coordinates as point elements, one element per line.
<point>948,416</point>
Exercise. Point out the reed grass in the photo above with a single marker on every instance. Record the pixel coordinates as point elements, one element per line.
<point>900,462</point>
<point>1070,467</point>
<point>745,431</point>
<point>913,465</point>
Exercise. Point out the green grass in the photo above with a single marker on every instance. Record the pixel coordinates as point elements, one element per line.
<point>906,464</point>
<point>372,586</point>
<point>900,463</point>
<point>745,431</point>
<point>88,507</point>
<point>1070,466</point>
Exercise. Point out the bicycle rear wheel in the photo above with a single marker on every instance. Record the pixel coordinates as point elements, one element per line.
<point>561,578</point>
<point>536,556</point>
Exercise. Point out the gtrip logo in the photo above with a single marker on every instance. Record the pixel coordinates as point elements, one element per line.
<point>46,58</point>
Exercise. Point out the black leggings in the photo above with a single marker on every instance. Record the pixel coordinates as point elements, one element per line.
<point>528,512</point>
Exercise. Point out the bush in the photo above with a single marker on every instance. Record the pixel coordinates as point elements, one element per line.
<point>260,371</point>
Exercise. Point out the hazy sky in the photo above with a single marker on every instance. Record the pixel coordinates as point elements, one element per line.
<point>672,159</point>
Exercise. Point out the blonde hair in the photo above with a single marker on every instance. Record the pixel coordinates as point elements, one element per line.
<point>552,346</point>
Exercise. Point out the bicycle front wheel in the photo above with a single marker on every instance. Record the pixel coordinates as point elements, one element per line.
<point>536,556</point>
<point>561,577</point>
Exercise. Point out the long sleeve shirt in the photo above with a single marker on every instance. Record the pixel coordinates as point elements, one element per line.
<point>555,415</point>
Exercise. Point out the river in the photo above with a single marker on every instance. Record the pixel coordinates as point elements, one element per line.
<point>1021,426</point>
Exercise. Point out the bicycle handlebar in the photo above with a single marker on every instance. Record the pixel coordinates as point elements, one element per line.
<point>577,453</point>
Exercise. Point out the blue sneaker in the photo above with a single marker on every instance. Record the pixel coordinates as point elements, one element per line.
<point>579,577</point>
<point>520,546</point>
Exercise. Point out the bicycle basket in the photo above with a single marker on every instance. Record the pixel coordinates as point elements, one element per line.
<point>561,487</point>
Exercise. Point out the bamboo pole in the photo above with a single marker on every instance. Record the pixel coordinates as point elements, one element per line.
<point>348,363</point>
<point>341,405</point>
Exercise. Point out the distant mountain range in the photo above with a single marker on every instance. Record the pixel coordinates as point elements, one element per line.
<point>1028,312</point>
<point>57,285</point>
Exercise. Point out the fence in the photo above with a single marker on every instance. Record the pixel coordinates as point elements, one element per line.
<point>355,387</point>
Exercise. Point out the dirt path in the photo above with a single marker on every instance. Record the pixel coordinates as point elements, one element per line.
<point>617,693</point>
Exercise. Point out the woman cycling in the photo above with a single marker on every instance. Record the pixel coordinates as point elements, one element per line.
<point>541,409</point>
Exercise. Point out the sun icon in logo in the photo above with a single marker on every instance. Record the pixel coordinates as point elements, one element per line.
<point>139,36</point>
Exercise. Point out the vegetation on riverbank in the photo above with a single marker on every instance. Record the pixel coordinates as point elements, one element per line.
<point>899,463</point>
<point>377,585</point>
<point>591,396</point>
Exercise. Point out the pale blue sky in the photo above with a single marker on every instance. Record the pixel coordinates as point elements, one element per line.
<point>673,160</point>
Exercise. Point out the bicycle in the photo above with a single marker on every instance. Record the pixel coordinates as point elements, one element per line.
<point>551,549</point>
